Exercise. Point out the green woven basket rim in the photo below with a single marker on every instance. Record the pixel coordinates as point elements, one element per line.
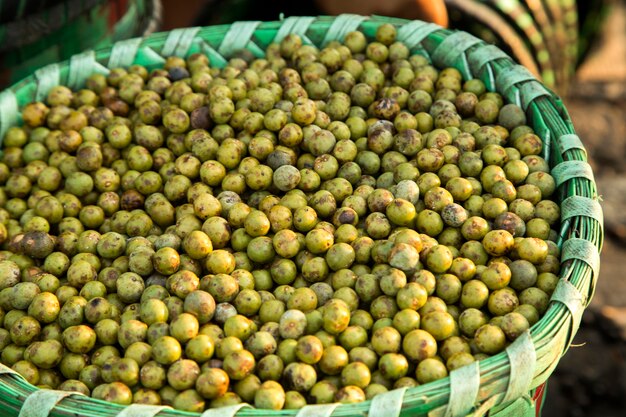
<point>493,383</point>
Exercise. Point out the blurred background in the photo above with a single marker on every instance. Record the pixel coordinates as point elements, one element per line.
<point>34,33</point>
<point>577,48</point>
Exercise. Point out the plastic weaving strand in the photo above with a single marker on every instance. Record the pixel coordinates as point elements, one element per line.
<point>567,294</point>
<point>6,370</point>
<point>582,250</point>
<point>530,91</point>
<point>464,384</point>
<point>237,37</point>
<point>228,411</point>
<point>297,25</point>
<point>570,141</point>
<point>123,53</point>
<point>484,13</point>
<point>320,410</point>
<point>522,407</point>
<point>581,206</point>
<point>513,95</point>
<point>388,404</point>
<point>215,58</point>
<point>141,410</point>
<point>515,74</point>
<point>414,32</point>
<point>486,406</point>
<point>179,41</point>
<point>41,402</point>
<point>452,49</point>
<point>568,170</point>
<point>81,67</point>
<point>341,26</point>
<point>8,112</point>
<point>185,41</point>
<point>148,57</point>
<point>522,356</point>
<point>481,56</point>
<point>546,136</point>
<point>47,77</point>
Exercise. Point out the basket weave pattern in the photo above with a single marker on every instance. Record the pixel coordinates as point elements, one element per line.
<point>496,383</point>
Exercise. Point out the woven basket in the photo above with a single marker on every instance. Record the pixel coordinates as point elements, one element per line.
<point>541,35</point>
<point>17,9</point>
<point>502,384</point>
<point>69,27</point>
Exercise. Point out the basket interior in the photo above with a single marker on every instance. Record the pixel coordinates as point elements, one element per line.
<point>496,381</point>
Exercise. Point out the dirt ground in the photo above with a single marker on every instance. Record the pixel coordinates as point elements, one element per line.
<point>591,378</point>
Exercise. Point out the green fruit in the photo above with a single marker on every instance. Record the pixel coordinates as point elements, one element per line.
<point>166,350</point>
<point>239,364</point>
<point>490,339</point>
<point>336,316</point>
<point>212,383</point>
<point>314,226</point>
<point>350,394</point>
<point>300,376</point>
<point>79,339</point>
<point>183,374</point>
<point>270,396</point>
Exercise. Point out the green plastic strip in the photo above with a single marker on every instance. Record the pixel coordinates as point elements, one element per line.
<point>297,25</point>
<point>453,47</point>
<point>532,90</point>
<point>414,32</point>
<point>388,404</point>
<point>6,370</point>
<point>484,55</point>
<point>567,294</point>
<point>342,25</point>
<point>581,206</point>
<point>513,96</point>
<point>568,170</point>
<point>228,411</point>
<point>584,250</point>
<point>215,58</point>
<point>123,53</point>
<point>42,401</point>
<point>569,142</point>
<point>47,77</point>
<point>141,410</point>
<point>133,14</point>
<point>523,358</point>
<point>238,37</point>
<point>522,407</point>
<point>513,75</point>
<point>179,41</point>
<point>464,384</point>
<point>546,137</point>
<point>9,112</point>
<point>81,67</point>
<point>320,410</point>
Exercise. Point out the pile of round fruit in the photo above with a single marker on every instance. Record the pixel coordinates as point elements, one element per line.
<point>321,225</point>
